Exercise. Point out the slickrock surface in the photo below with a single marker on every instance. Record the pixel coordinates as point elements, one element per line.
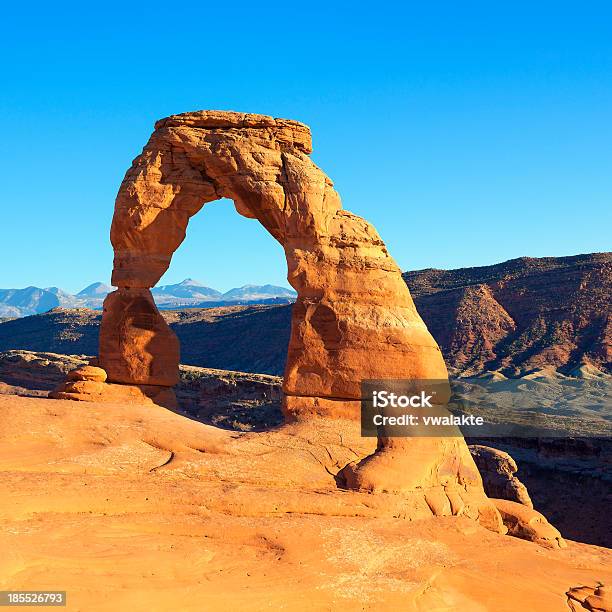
<point>597,598</point>
<point>134,507</point>
<point>92,391</point>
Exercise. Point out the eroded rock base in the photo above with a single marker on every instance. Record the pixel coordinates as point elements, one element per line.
<point>87,383</point>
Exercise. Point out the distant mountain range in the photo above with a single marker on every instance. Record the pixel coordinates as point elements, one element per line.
<point>191,292</point>
<point>16,303</point>
<point>514,317</point>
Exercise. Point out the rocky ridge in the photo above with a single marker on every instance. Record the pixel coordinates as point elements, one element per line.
<point>521,314</point>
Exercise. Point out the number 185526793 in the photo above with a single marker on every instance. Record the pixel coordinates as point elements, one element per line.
<point>32,598</point>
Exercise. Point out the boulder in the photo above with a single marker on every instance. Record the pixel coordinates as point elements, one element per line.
<point>498,470</point>
<point>87,372</point>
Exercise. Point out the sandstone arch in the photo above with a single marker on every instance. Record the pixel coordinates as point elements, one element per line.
<point>354,317</point>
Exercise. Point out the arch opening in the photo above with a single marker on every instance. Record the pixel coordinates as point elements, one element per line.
<point>231,251</point>
<point>225,250</point>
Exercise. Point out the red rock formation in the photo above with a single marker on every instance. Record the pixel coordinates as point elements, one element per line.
<point>498,470</point>
<point>597,598</point>
<point>354,318</point>
<point>87,383</point>
<point>528,524</point>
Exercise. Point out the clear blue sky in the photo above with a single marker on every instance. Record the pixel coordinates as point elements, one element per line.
<point>467,132</point>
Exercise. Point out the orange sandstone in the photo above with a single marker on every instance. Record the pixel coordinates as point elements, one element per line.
<point>354,318</point>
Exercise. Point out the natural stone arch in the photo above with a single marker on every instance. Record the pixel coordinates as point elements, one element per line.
<point>354,317</point>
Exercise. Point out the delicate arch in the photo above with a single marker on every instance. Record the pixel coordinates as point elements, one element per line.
<point>353,319</point>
